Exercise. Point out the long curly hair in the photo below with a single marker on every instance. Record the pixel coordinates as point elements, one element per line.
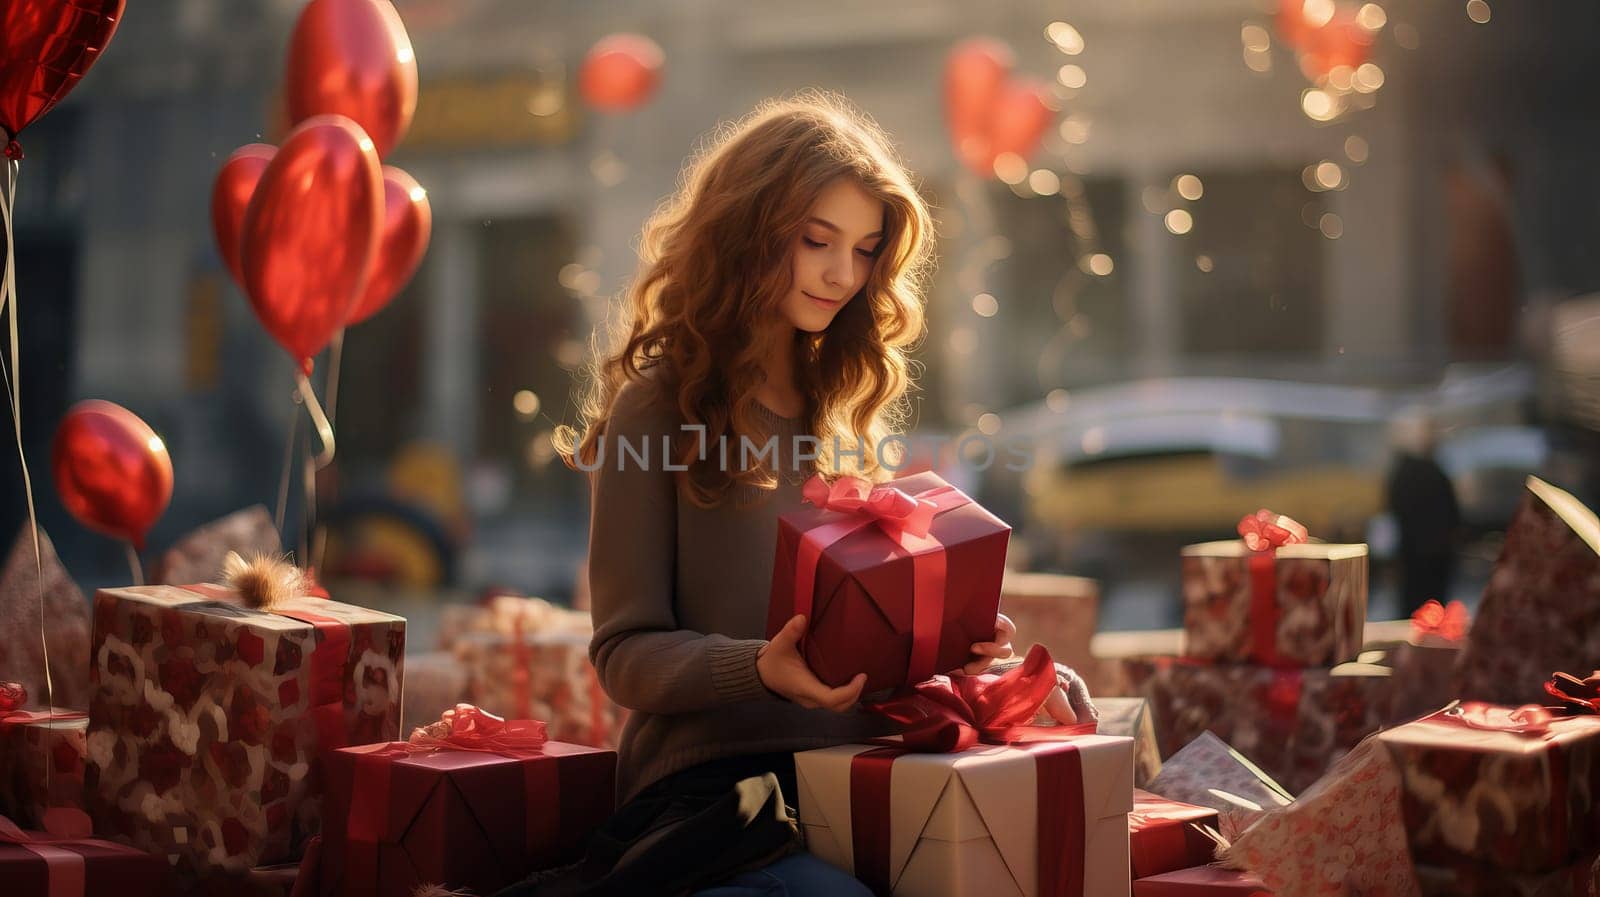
<point>715,263</point>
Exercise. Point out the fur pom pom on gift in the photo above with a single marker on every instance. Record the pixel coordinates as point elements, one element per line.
<point>263,581</point>
<point>438,891</point>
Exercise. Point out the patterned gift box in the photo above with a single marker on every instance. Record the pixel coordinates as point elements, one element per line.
<point>1514,788</point>
<point>435,682</point>
<point>508,615</point>
<point>1165,835</point>
<point>1201,881</point>
<point>41,763</point>
<point>36,864</point>
<point>1119,657</point>
<point>1297,606</point>
<point>1538,611</point>
<point>1343,836</point>
<point>1293,723</point>
<point>1208,773</point>
<point>542,675</point>
<point>1035,820</point>
<point>209,717</point>
<point>1131,718</point>
<point>1059,612</point>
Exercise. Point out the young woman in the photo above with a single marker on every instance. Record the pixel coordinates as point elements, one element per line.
<point>779,293</point>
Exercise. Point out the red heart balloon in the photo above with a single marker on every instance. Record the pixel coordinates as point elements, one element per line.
<point>620,72</point>
<point>1019,119</point>
<point>46,47</point>
<point>353,58</point>
<point>111,470</point>
<point>407,224</point>
<point>311,232</point>
<point>230,196</point>
<point>975,73</point>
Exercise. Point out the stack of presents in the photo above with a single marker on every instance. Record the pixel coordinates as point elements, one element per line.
<point>246,737</point>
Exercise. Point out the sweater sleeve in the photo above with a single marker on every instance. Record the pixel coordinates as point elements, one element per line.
<point>644,660</point>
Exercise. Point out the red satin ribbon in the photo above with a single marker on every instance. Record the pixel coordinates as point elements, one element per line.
<point>64,865</point>
<point>1263,533</point>
<point>906,520</point>
<point>1058,817</point>
<point>1447,621</point>
<point>369,823</point>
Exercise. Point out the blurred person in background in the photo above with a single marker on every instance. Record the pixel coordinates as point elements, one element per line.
<point>1423,502</point>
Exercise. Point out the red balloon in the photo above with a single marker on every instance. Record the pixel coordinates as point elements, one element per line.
<point>1340,42</point>
<point>112,471</point>
<point>46,47</point>
<point>353,58</point>
<point>407,224</point>
<point>1019,119</point>
<point>975,73</point>
<point>620,72</point>
<point>311,232</point>
<point>230,196</point>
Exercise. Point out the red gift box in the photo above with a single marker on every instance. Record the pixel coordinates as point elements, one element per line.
<point>1201,881</point>
<point>41,762</point>
<point>896,581</point>
<point>475,819</point>
<point>34,864</point>
<point>1164,835</point>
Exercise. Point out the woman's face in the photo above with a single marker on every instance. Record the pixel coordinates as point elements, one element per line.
<point>833,254</point>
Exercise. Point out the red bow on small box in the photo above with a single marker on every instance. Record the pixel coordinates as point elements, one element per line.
<point>946,714</point>
<point>1577,696</point>
<point>1266,530</point>
<point>894,510</point>
<point>469,728</point>
<point>1448,622</point>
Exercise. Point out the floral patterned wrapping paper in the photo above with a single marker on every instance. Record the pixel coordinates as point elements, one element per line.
<point>209,718</point>
<point>1343,836</point>
<point>1293,723</point>
<point>1131,717</point>
<point>1509,787</point>
<point>41,765</point>
<point>545,676</point>
<point>1059,612</point>
<point>1538,611</point>
<point>1209,773</point>
<point>1319,601</point>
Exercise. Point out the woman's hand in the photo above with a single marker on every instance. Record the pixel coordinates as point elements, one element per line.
<point>986,653</point>
<point>785,673</point>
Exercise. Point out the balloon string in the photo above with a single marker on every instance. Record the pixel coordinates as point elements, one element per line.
<point>13,380</point>
<point>308,508</point>
<point>331,387</point>
<point>324,429</point>
<point>134,566</point>
<point>288,468</point>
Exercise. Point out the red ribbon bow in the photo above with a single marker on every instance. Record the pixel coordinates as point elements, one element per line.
<point>1265,530</point>
<point>469,728</point>
<point>894,510</point>
<point>946,714</point>
<point>1447,621</point>
<point>1577,696</point>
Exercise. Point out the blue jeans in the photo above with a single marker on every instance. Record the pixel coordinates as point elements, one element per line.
<point>796,875</point>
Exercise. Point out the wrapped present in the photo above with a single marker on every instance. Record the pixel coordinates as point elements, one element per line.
<point>542,675</point>
<point>1424,665</point>
<point>1120,656</point>
<point>1201,881</point>
<point>435,682</point>
<point>472,802</point>
<point>1510,787</point>
<point>1343,836</point>
<point>212,707</point>
<point>1538,611</point>
<point>1294,723</point>
<point>39,864</point>
<point>1131,717</point>
<point>1577,879</point>
<point>1208,773</point>
<point>1059,612</point>
<point>510,614</point>
<point>1042,815</point>
<point>1273,599</point>
<point>199,556</point>
<point>64,619</point>
<point>1166,835</point>
<point>41,762</point>
<point>897,581</point>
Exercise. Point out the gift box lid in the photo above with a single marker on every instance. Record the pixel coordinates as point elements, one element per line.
<point>1437,731</point>
<point>221,601</point>
<point>987,792</point>
<point>1322,551</point>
